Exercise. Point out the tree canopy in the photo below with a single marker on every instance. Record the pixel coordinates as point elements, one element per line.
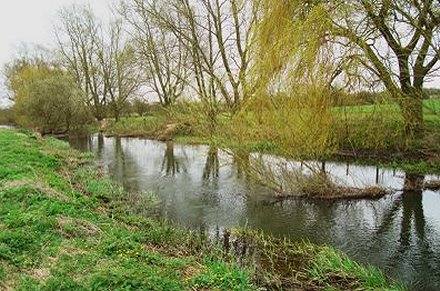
<point>389,44</point>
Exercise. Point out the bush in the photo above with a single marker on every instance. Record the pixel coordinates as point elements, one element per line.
<point>47,99</point>
<point>6,116</point>
<point>140,106</point>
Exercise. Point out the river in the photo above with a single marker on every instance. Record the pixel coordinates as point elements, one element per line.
<point>200,187</point>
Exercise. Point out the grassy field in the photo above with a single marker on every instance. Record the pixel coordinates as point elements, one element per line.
<point>379,128</point>
<point>65,226</point>
<point>430,107</point>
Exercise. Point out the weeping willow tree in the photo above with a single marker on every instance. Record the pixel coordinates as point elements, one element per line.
<point>289,108</point>
<point>299,58</point>
<point>290,104</point>
<point>387,44</point>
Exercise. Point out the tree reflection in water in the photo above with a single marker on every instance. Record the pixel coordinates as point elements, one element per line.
<point>410,203</point>
<point>414,239</point>
<point>170,164</point>
<point>241,162</point>
<point>119,164</point>
<point>212,165</point>
<point>412,209</point>
<point>100,146</point>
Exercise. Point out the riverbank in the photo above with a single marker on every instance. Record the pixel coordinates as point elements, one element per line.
<point>64,225</point>
<point>365,134</point>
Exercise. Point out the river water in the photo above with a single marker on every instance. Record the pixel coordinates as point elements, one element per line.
<point>200,187</point>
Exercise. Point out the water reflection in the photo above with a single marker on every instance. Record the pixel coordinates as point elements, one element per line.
<point>378,177</point>
<point>101,146</point>
<point>171,165</point>
<point>119,164</point>
<point>212,165</point>
<point>415,247</point>
<point>201,187</point>
<point>241,162</point>
<point>412,207</point>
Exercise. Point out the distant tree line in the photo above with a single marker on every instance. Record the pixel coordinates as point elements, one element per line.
<point>165,50</point>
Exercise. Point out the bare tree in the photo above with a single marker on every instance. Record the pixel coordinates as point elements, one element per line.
<point>101,58</point>
<point>216,37</point>
<point>198,40</point>
<point>399,44</point>
<point>233,23</point>
<point>120,71</point>
<point>79,38</point>
<point>161,55</point>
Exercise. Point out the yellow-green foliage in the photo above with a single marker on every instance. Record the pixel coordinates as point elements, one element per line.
<point>298,124</point>
<point>45,98</point>
<point>135,126</point>
<point>291,106</point>
<point>200,118</point>
<point>290,43</point>
<point>6,116</point>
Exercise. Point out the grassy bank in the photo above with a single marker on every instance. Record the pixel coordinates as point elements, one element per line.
<point>65,226</point>
<point>145,126</point>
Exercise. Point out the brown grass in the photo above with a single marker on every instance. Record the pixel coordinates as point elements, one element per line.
<point>39,186</point>
<point>320,186</point>
<point>81,227</point>
<point>40,274</point>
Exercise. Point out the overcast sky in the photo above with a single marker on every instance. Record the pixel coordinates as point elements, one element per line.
<point>31,22</point>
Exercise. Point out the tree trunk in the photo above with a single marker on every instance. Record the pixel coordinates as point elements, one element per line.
<point>412,111</point>
<point>99,113</point>
<point>413,183</point>
<point>117,115</point>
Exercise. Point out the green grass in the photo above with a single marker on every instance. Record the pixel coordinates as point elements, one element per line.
<point>65,226</point>
<point>317,268</point>
<point>379,130</point>
<point>327,260</point>
<point>136,126</point>
<point>430,107</point>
